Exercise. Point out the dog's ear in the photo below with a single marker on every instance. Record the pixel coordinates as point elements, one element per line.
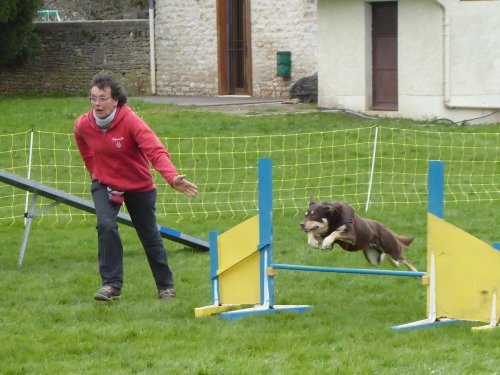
<point>311,200</point>
<point>335,209</point>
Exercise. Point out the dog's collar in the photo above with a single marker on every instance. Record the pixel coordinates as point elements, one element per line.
<point>349,221</point>
<point>347,246</point>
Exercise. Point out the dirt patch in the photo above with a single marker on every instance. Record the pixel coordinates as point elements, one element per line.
<point>235,105</point>
<point>260,109</point>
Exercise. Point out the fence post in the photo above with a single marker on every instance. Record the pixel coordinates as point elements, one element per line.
<point>372,169</point>
<point>30,157</point>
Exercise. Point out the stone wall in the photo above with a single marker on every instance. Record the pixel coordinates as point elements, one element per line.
<point>186,48</point>
<point>186,45</point>
<point>282,26</point>
<point>72,52</point>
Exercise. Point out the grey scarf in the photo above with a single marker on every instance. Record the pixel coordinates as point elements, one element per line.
<point>103,123</point>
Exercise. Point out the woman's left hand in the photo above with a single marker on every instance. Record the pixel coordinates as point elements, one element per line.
<point>184,186</point>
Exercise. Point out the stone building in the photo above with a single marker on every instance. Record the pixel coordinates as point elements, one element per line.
<point>232,47</point>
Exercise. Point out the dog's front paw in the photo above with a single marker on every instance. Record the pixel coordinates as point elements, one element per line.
<point>327,243</point>
<point>312,240</point>
<point>313,243</point>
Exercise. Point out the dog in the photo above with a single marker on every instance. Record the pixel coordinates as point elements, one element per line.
<point>336,222</point>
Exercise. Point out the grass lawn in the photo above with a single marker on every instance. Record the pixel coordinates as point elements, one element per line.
<point>50,324</point>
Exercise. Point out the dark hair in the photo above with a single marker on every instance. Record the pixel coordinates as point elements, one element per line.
<point>103,79</point>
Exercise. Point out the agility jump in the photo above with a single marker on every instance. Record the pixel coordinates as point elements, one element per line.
<point>58,196</point>
<point>462,278</point>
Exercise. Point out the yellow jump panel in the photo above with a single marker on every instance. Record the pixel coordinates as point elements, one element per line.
<point>467,272</point>
<point>239,263</point>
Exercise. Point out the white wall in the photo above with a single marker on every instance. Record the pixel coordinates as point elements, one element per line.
<point>342,55</point>
<point>420,59</point>
<point>459,82</point>
<point>474,29</point>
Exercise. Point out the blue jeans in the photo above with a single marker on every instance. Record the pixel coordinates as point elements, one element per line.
<point>142,210</point>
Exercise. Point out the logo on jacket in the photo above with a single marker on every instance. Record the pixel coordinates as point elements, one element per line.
<point>118,141</point>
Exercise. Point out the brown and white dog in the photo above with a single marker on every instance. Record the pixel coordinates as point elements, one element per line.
<point>336,222</point>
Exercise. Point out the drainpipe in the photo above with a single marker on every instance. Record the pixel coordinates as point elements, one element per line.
<point>446,53</point>
<point>447,59</point>
<point>152,55</point>
<point>445,4</point>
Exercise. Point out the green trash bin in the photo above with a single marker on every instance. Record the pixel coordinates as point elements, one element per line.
<point>284,59</point>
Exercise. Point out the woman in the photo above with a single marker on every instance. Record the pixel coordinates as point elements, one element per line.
<point>117,148</point>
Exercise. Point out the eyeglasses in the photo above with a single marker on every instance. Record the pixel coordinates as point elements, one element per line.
<point>99,99</point>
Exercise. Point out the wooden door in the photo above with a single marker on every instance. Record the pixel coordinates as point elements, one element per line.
<point>234,54</point>
<point>385,55</point>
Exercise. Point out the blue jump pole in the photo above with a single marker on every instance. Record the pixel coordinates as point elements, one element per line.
<point>435,204</point>
<point>359,271</point>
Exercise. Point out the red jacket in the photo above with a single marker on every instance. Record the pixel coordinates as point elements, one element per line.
<point>121,156</point>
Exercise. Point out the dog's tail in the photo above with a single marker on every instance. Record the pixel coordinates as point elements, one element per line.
<point>405,240</point>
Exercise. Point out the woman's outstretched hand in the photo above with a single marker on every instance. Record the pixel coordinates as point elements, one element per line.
<point>184,186</point>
